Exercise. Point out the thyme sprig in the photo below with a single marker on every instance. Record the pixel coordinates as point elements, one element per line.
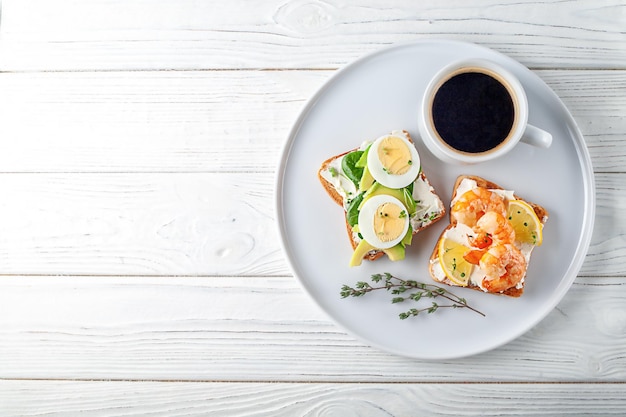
<point>408,290</point>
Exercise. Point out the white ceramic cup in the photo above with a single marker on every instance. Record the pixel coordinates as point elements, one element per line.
<point>520,130</point>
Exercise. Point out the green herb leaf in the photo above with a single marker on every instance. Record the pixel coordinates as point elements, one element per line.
<point>348,165</point>
<point>408,200</point>
<point>398,287</point>
<point>352,212</point>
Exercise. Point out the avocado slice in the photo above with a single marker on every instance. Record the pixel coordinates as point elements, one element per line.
<point>367,180</point>
<point>362,248</point>
<point>408,238</point>
<point>362,162</point>
<point>401,194</point>
<point>396,253</point>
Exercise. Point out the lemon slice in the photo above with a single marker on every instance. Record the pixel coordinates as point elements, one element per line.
<point>525,222</point>
<point>456,268</point>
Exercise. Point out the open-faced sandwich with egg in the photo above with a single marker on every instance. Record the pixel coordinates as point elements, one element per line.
<point>491,235</point>
<point>384,193</point>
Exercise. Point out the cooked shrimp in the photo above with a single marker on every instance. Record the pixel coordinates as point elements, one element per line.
<point>473,204</point>
<point>504,266</point>
<point>473,256</point>
<point>492,228</point>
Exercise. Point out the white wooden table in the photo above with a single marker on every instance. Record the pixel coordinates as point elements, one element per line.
<point>141,270</point>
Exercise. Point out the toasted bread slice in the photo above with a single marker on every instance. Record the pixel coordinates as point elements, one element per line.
<point>436,274</point>
<point>342,200</point>
<point>328,186</point>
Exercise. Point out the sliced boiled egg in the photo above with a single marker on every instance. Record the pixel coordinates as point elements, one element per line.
<point>383,221</point>
<point>393,161</point>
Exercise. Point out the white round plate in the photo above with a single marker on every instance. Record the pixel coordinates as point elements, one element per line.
<point>379,93</point>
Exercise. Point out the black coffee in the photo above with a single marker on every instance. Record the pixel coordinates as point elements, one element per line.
<point>473,112</point>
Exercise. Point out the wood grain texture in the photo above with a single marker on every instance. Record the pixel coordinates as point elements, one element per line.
<point>140,269</point>
<point>154,121</point>
<point>218,121</point>
<point>38,35</point>
<point>266,329</point>
<point>180,224</point>
<point>190,399</point>
<point>190,224</point>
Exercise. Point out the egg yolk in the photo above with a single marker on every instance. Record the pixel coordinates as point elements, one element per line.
<point>389,221</point>
<point>394,155</point>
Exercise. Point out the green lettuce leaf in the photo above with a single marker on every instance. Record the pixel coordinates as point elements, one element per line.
<point>348,165</point>
<point>352,211</point>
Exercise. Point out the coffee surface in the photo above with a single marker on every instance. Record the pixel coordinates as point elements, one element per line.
<point>473,112</point>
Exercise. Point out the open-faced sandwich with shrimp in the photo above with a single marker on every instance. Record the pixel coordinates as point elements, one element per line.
<point>385,195</point>
<point>489,241</point>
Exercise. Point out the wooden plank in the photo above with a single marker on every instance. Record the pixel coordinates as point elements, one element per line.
<point>38,35</point>
<point>156,121</point>
<point>97,398</point>
<point>193,121</point>
<point>160,183</point>
<point>608,249</point>
<point>155,224</point>
<point>234,329</point>
<point>190,224</point>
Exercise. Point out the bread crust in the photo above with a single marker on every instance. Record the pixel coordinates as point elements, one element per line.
<point>332,192</point>
<point>337,198</point>
<point>540,211</point>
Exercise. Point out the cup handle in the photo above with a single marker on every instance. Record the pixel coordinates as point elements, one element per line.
<point>536,137</point>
